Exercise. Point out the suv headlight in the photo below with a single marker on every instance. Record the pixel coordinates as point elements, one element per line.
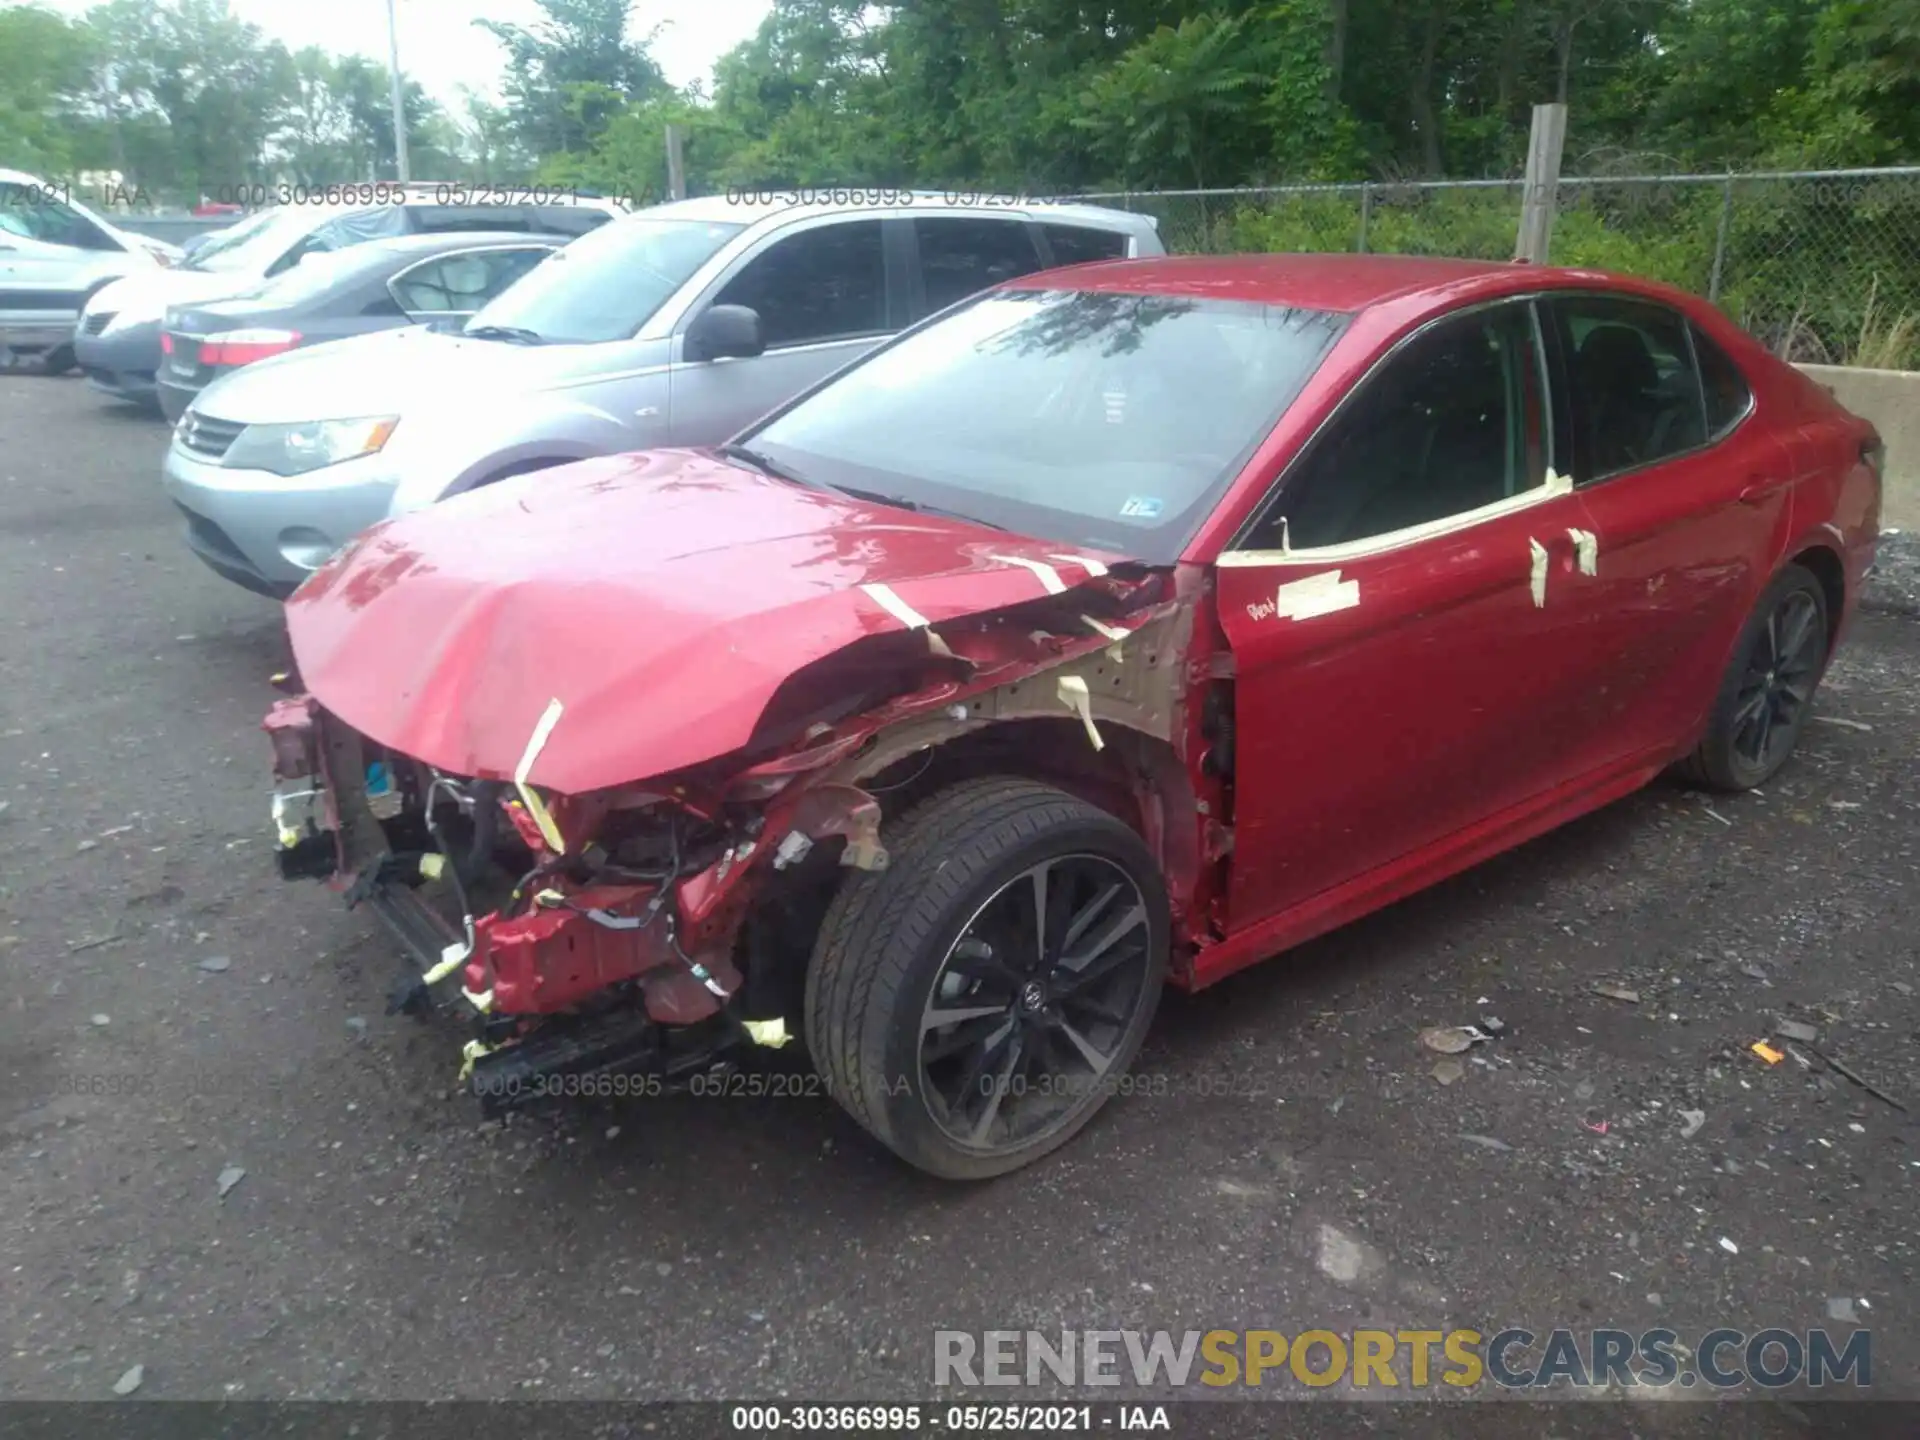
<point>309,445</point>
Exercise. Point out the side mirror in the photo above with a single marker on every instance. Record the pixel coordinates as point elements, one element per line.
<point>724,330</point>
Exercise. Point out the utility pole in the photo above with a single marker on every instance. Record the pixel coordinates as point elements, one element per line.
<point>402,171</point>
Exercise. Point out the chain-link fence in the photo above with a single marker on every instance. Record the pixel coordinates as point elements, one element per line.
<point>1823,265</point>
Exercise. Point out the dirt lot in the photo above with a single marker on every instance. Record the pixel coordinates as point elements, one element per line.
<point>171,1012</point>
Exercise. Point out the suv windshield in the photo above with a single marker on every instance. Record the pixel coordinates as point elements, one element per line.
<point>1088,417</point>
<point>606,285</point>
<point>253,244</point>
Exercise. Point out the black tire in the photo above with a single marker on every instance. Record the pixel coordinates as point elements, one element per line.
<point>60,360</point>
<point>892,936</point>
<point>1767,693</point>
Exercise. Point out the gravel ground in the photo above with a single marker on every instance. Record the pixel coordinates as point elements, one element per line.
<point>221,1162</point>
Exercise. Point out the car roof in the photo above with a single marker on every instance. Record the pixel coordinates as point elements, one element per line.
<point>435,241</point>
<point>1342,282</point>
<point>751,207</point>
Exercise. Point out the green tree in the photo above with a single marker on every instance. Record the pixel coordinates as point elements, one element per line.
<point>572,70</point>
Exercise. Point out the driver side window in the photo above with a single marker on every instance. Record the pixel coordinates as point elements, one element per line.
<point>1452,422</point>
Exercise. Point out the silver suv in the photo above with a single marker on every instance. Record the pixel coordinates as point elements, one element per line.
<point>676,325</point>
<point>54,253</point>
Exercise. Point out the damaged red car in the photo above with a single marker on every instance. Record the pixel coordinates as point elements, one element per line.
<point>1117,628</point>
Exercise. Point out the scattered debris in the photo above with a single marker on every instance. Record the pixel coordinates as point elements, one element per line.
<point>613,1132</point>
<point>1488,1142</point>
<point>1840,1307</point>
<point>1766,1052</point>
<point>1617,992</point>
<point>95,944</point>
<point>85,845</point>
<point>216,964</point>
<point>1871,1089</point>
<point>1903,987</point>
<point>1717,815</point>
<point>1843,724</point>
<point>1452,1039</point>
<point>1796,1030</point>
<point>1599,1129</point>
<point>131,1381</point>
<point>1493,1025</point>
<point>1728,1246</point>
<point>1754,972</point>
<point>358,1025</point>
<point>101,1020</point>
<point>229,1177</point>
<point>1448,1071</point>
<point>1691,1121</point>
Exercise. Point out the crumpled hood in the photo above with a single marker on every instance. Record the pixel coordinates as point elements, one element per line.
<point>388,372</point>
<point>660,597</point>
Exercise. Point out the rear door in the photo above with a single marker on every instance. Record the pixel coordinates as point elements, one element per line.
<point>961,255</point>
<point>1688,497</point>
<point>447,290</point>
<point>1406,621</point>
<point>825,294</point>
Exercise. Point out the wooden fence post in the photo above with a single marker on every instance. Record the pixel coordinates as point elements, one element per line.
<point>1537,202</point>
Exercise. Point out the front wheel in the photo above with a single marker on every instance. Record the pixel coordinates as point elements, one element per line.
<point>1767,694</point>
<point>976,1002</point>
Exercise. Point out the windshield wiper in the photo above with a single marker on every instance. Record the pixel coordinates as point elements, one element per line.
<point>767,465</point>
<point>516,333</point>
<point>918,507</point>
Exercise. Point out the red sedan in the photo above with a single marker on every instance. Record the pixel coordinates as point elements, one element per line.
<point>1119,627</point>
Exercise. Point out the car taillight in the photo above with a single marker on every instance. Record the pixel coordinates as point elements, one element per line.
<point>166,343</point>
<point>243,347</point>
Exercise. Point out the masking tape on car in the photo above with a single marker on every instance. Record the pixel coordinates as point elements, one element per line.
<point>1539,574</point>
<point>1075,695</point>
<point>1321,594</point>
<point>884,597</point>
<point>536,807</point>
<point>1586,546</point>
<point>1050,580</point>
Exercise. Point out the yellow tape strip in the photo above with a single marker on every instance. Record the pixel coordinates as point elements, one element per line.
<point>536,807</point>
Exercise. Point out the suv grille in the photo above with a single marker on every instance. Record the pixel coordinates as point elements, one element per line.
<point>96,322</point>
<point>204,435</point>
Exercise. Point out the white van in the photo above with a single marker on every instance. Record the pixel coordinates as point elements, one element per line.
<point>54,253</point>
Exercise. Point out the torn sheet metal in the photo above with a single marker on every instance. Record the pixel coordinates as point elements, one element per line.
<point>1586,549</point>
<point>1075,695</point>
<point>1539,574</point>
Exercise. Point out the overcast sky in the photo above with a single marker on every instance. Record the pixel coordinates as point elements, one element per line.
<point>442,49</point>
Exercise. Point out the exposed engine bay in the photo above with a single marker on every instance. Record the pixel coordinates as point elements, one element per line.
<point>664,925</point>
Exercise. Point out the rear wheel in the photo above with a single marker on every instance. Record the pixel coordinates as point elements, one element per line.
<point>1767,694</point>
<point>975,1003</point>
<point>58,361</point>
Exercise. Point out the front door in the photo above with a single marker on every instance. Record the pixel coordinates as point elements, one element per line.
<point>1407,620</point>
<point>822,296</point>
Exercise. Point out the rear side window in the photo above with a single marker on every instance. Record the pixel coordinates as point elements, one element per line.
<point>825,283</point>
<point>1077,244</point>
<point>1632,390</point>
<point>441,219</point>
<point>565,219</point>
<point>1727,394</point>
<point>461,283</point>
<point>961,255</point>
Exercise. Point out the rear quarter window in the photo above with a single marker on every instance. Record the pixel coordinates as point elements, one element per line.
<point>1078,244</point>
<point>1725,387</point>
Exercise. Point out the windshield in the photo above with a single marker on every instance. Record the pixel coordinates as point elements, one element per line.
<point>1086,417</point>
<point>606,285</point>
<point>257,241</point>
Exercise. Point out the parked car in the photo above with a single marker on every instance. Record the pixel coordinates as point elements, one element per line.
<point>54,253</point>
<point>677,325</point>
<point>1126,624</point>
<point>439,279</point>
<point>118,338</point>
